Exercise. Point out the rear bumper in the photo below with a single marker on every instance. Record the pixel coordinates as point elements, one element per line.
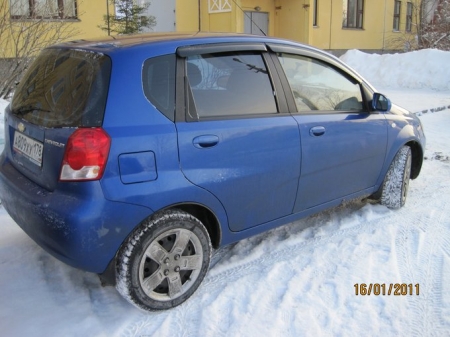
<point>74,223</point>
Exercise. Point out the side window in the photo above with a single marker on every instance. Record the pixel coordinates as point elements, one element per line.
<point>229,84</point>
<point>158,77</point>
<point>318,86</point>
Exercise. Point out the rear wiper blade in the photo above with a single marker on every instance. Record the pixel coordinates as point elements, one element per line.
<point>25,109</point>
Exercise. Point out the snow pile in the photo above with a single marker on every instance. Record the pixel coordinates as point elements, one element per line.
<point>428,68</point>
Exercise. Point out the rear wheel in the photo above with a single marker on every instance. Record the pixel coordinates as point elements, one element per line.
<point>164,261</point>
<point>396,182</point>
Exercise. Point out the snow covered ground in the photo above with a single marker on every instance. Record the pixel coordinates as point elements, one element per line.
<point>297,280</point>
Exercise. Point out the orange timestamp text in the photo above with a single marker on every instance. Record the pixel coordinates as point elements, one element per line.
<point>383,289</point>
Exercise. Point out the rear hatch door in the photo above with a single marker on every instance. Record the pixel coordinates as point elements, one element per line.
<point>64,89</point>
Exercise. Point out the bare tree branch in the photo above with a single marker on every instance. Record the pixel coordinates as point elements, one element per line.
<point>431,25</point>
<point>24,33</point>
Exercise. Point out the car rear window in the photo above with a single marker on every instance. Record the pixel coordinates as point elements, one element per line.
<point>64,88</point>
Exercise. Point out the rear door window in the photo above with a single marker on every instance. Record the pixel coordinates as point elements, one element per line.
<point>64,88</point>
<point>229,84</point>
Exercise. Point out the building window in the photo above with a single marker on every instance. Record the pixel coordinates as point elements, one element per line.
<point>315,13</point>
<point>219,6</point>
<point>353,13</point>
<point>47,9</point>
<point>397,9</point>
<point>409,13</point>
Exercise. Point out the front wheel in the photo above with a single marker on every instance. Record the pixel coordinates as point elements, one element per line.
<point>164,261</point>
<point>396,182</point>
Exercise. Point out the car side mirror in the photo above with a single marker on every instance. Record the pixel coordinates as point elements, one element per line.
<point>381,102</point>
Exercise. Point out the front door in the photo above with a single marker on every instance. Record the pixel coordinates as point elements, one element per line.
<point>342,154</point>
<point>343,145</point>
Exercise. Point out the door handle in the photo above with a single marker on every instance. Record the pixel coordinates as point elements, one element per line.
<point>317,131</point>
<point>206,141</point>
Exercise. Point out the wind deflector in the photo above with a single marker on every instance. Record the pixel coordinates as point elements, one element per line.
<point>219,48</point>
<point>313,53</point>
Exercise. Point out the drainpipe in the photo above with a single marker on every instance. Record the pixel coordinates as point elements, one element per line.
<point>384,28</point>
<point>199,16</point>
<point>107,17</point>
<point>331,25</point>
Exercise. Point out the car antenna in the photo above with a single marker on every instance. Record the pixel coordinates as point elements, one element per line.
<point>251,20</point>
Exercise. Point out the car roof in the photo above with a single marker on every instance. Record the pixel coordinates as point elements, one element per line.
<point>111,43</point>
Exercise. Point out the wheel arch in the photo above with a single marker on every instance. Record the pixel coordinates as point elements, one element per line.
<point>416,165</point>
<point>417,158</point>
<point>207,218</point>
<point>202,213</point>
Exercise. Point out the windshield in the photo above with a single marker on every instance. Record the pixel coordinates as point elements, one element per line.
<point>64,88</point>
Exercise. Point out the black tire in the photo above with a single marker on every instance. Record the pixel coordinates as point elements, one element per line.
<point>163,261</point>
<point>396,183</point>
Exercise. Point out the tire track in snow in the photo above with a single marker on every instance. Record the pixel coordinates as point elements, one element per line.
<point>406,215</point>
<point>212,294</point>
<point>426,245</point>
<point>284,254</point>
<point>215,283</point>
<point>212,284</point>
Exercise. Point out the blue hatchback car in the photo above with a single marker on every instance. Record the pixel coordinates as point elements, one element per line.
<point>135,157</point>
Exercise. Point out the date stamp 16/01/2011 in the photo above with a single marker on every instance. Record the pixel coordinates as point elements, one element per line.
<point>383,289</point>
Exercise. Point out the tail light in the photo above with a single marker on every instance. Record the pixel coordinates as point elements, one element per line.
<point>86,155</point>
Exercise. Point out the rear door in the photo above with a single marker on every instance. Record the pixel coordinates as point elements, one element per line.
<point>237,140</point>
<point>343,144</point>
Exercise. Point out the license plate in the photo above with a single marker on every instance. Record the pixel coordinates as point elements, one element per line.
<point>30,148</point>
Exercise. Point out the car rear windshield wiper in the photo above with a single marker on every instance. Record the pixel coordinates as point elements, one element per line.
<point>26,109</point>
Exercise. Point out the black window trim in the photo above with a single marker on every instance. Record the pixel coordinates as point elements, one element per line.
<point>181,100</point>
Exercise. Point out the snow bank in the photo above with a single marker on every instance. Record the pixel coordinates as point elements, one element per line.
<point>428,68</point>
